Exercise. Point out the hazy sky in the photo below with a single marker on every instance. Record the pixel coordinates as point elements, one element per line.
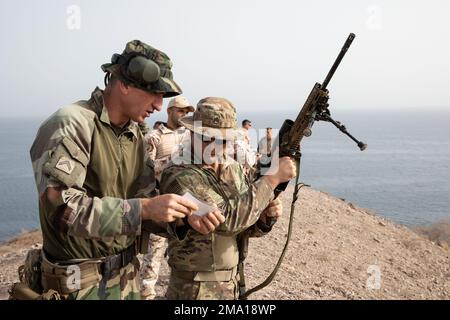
<point>261,55</point>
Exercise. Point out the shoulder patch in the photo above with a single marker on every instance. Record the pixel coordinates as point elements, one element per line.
<point>65,165</point>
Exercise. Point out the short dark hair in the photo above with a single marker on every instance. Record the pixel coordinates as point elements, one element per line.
<point>110,79</point>
<point>245,122</point>
<point>157,124</point>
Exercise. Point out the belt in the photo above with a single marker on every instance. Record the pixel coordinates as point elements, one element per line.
<point>218,275</point>
<point>111,265</point>
<point>117,261</point>
<point>58,276</point>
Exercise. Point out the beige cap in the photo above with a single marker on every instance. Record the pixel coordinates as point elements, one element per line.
<point>180,102</point>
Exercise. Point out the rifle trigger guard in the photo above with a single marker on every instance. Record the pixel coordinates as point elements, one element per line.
<point>295,154</point>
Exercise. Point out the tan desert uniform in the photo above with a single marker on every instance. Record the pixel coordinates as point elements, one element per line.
<point>245,154</point>
<point>163,143</point>
<point>265,146</point>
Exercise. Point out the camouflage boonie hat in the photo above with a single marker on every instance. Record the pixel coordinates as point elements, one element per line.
<point>215,118</point>
<point>165,84</point>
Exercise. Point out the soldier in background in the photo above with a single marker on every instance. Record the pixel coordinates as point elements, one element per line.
<point>163,142</point>
<point>96,193</point>
<point>166,139</point>
<point>265,144</point>
<point>264,151</point>
<point>246,126</point>
<point>205,266</point>
<point>244,152</point>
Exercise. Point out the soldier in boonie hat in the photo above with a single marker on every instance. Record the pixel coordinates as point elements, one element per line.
<point>214,118</point>
<point>212,262</point>
<point>144,67</point>
<point>80,143</point>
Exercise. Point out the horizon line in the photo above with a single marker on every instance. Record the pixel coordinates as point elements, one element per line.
<point>359,111</point>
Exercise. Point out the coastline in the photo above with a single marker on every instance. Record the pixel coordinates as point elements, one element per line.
<point>335,251</point>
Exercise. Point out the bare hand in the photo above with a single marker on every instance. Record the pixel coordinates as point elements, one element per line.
<point>286,171</point>
<point>273,210</point>
<point>166,208</point>
<point>207,223</point>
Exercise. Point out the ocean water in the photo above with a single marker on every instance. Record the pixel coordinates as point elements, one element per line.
<point>404,174</point>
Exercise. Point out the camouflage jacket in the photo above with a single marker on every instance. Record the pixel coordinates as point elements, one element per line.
<point>96,166</point>
<point>240,202</point>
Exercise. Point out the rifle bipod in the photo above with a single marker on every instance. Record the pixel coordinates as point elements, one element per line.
<point>324,116</point>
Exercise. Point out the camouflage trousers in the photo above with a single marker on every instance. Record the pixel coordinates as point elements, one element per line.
<point>123,285</point>
<point>151,263</point>
<point>182,289</point>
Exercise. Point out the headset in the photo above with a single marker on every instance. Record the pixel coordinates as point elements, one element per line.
<point>136,68</point>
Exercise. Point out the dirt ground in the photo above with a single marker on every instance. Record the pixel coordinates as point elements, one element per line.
<point>337,251</point>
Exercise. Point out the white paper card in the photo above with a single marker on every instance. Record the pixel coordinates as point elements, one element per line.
<point>203,207</point>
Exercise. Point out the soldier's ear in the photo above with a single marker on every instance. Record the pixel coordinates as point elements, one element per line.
<point>123,87</point>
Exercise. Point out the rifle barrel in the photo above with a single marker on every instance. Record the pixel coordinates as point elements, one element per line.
<point>341,55</point>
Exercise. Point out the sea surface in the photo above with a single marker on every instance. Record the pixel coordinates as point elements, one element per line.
<point>403,175</point>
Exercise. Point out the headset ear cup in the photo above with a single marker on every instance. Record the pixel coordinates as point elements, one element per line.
<point>115,58</point>
<point>143,68</point>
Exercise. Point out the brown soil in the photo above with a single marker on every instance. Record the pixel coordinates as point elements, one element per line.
<point>335,249</point>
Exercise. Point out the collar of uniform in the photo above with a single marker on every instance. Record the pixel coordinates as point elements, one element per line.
<point>97,101</point>
<point>165,130</point>
<point>104,116</point>
<point>97,96</point>
<point>133,127</point>
<point>99,106</point>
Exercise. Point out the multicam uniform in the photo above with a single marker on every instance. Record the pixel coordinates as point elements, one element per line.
<point>205,266</point>
<point>162,144</point>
